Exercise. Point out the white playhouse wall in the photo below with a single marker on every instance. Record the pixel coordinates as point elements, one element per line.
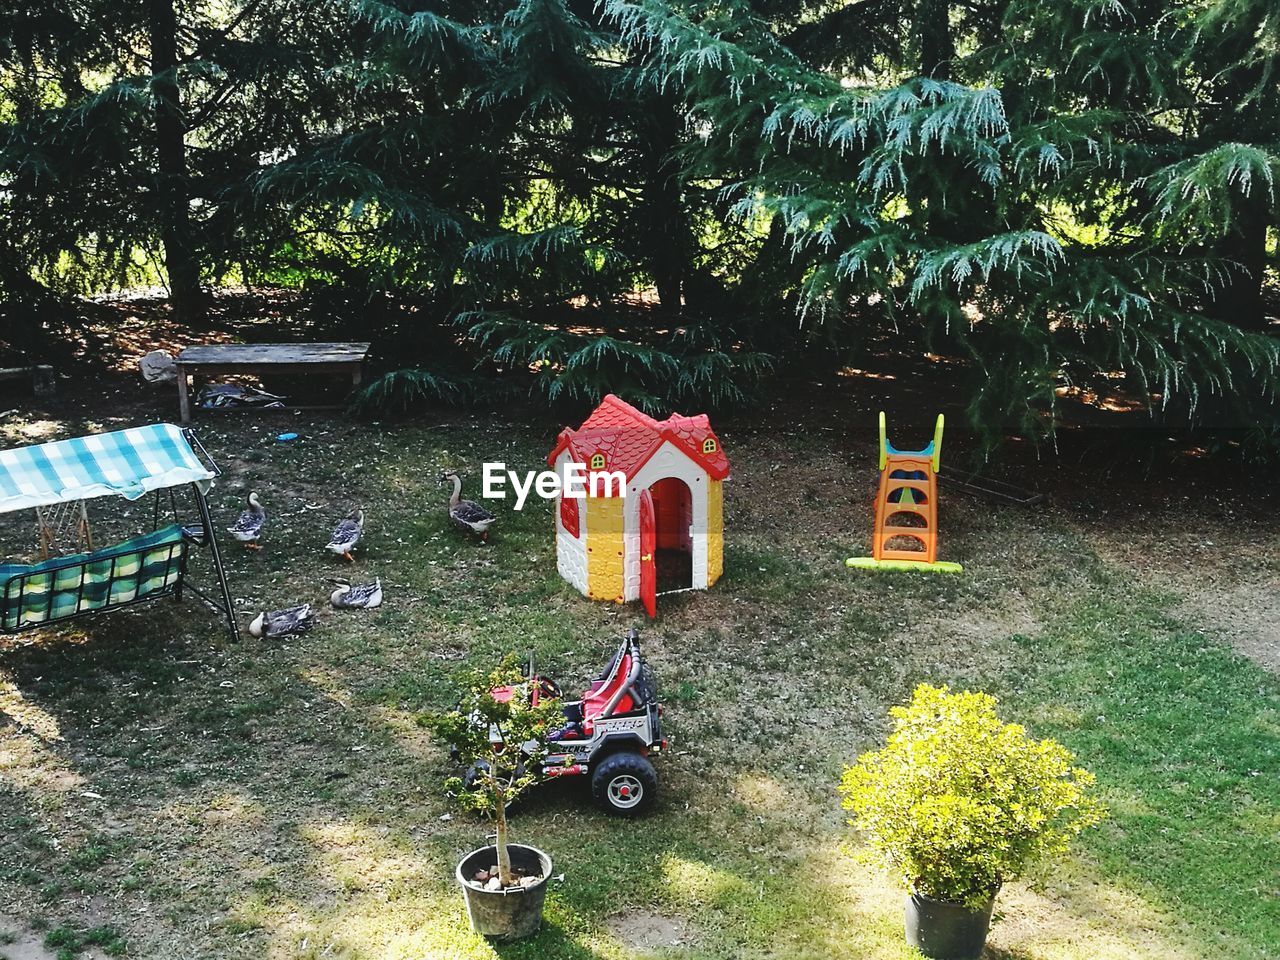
<point>668,461</point>
<point>571,551</point>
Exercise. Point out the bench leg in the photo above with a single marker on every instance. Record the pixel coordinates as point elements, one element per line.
<point>184,401</point>
<point>43,383</point>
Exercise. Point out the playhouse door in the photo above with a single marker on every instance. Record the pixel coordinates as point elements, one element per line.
<point>648,547</point>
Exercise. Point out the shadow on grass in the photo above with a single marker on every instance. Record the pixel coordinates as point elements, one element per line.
<point>553,940</point>
<point>1000,953</point>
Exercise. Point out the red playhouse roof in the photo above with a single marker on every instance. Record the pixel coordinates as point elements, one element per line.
<point>628,438</point>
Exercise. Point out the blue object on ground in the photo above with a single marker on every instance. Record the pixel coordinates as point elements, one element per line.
<point>286,437</point>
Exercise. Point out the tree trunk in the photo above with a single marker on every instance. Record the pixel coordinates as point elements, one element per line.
<point>172,187</point>
<point>664,206</point>
<point>26,306</point>
<point>1241,113</point>
<point>933,31</point>
<point>505,876</point>
<point>1240,300</point>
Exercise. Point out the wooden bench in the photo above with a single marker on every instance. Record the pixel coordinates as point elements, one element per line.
<point>345,358</point>
<point>41,375</point>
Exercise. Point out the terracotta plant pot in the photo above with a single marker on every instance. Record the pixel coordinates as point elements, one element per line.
<point>505,914</point>
<point>947,931</point>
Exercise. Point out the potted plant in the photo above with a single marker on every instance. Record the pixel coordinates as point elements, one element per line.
<point>498,731</point>
<point>959,803</point>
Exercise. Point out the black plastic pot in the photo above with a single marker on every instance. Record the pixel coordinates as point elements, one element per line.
<point>947,931</point>
<point>505,914</point>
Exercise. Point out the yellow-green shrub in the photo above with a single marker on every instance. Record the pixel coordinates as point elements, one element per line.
<point>958,802</point>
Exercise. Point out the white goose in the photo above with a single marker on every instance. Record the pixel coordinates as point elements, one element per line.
<point>249,525</point>
<point>282,623</point>
<point>347,534</point>
<point>360,596</point>
<point>467,515</point>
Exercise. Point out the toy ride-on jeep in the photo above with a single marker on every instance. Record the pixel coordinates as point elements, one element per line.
<point>609,734</point>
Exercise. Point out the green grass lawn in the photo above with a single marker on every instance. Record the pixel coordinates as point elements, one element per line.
<point>168,795</point>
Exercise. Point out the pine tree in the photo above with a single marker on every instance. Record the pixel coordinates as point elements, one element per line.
<point>1048,200</point>
<point>131,129</point>
<point>645,196</point>
<point>550,185</point>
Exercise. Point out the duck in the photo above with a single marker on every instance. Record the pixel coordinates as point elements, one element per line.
<point>468,515</point>
<point>249,525</point>
<point>282,623</point>
<point>360,596</point>
<point>347,534</point>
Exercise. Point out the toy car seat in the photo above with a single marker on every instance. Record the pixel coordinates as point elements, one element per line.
<point>613,691</point>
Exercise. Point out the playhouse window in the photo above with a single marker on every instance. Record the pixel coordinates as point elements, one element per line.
<point>709,445</point>
<point>597,461</point>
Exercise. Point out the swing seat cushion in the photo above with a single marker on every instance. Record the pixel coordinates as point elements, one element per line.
<point>146,566</point>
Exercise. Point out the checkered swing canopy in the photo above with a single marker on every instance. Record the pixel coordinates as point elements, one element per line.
<point>127,463</point>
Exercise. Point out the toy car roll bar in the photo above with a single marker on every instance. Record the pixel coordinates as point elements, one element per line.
<point>633,674</point>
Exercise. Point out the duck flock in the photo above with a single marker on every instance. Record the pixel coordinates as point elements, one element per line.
<point>250,526</point>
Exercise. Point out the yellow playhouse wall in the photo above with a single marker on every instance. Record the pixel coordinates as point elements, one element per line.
<point>715,530</point>
<point>605,548</point>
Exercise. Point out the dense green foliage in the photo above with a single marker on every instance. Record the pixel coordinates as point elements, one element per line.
<point>671,198</point>
<point>959,803</point>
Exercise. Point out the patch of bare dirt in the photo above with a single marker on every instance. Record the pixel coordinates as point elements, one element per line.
<point>643,930</point>
<point>1246,615</point>
<point>19,943</point>
<point>1221,559</point>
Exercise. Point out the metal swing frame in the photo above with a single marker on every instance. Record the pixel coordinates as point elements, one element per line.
<point>206,539</point>
<point>179,552</point>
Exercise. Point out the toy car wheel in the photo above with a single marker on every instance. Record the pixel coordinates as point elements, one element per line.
<point>625,783</point>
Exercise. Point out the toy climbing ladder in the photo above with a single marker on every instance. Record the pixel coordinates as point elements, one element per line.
<point>907,509</point>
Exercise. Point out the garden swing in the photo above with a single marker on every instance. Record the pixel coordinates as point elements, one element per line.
<point>56,479</point>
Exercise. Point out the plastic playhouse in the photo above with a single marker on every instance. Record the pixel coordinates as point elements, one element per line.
<point>669,526</point>
<point>906,523</point>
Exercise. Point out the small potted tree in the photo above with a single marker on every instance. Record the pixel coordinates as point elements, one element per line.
<point>499,733</point>
<point>959,803</point>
